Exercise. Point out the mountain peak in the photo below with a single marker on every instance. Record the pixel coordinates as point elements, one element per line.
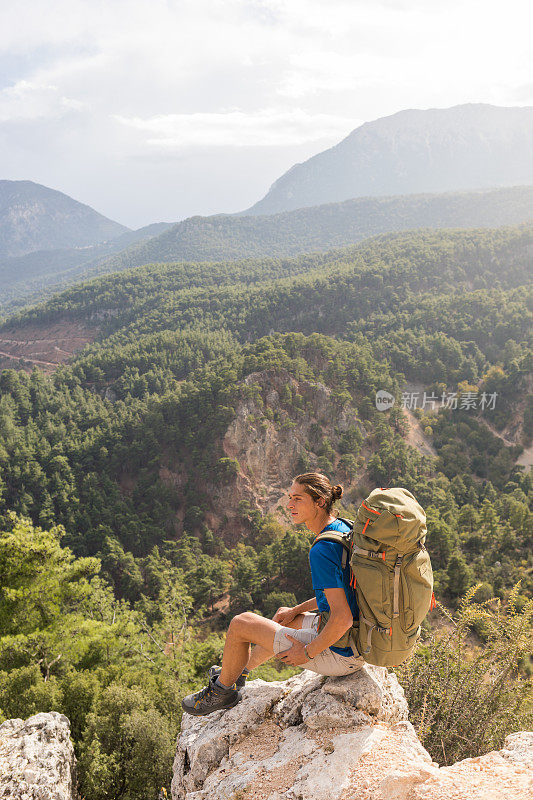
<point>465,147</point>
<point>34,217</point>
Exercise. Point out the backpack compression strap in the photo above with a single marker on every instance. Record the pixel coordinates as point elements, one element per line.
<point>371,627</point>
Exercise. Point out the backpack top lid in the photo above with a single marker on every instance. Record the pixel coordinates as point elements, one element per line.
<point>390,517</point>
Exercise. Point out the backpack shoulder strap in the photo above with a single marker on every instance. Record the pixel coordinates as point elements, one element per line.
<point>348,522</point>
<point>340,537</point>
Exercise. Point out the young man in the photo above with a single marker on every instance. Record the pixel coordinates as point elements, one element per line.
<point>292,635</point>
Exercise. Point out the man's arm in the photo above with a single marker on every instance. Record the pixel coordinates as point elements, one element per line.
<point>285,615</point>
<point>340,619</point>
<point>308,605</point>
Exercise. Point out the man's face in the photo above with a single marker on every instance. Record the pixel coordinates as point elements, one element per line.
<point>301,505</point>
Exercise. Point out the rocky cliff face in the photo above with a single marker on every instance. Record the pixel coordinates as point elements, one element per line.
<point>317,738</point>
<point>280,428</point>
<point>268,452</point>
<point>268,436</point>
<point>37,758</point>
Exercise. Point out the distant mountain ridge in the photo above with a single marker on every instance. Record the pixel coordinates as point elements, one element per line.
<point>34,217</point>
<point>48,241</point>
<point>464,147</point>
<point>35,274</point>
<point>222,237</point>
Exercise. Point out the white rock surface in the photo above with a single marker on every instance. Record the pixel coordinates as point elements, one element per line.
<point>293,739</point>
<point>37,758</point>
<point>506,774</point>
<point>317,738</point>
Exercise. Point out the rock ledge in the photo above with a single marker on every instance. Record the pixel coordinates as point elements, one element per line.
<point>37,758</point>
<point>318,738</point>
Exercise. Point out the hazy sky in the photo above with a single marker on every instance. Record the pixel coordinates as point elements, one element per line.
<point>150,110</point>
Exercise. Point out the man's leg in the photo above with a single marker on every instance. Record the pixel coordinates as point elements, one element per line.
<point>260,655</point>
<point>246,629</point>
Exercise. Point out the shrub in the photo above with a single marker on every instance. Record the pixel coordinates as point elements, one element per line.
<point>227,469</point>
<point>274,600</point>
<point>127,747</point>
<point>464,700</point>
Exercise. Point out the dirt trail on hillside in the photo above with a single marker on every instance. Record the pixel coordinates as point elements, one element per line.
<point>23,358</point>
<point>44,344</point>
<point>525,459</point>
<point>416,436</point>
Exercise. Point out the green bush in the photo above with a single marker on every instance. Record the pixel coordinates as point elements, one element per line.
<point>227,469</point>
<point>464,699</point>
<point>127,747</point>
<point>276,599</point>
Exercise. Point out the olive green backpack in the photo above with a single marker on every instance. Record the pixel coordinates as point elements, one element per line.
<point>391,573</point>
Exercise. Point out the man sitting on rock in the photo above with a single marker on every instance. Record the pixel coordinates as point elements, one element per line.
<point>292,635</point>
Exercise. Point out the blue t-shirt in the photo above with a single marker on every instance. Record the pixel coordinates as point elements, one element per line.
<point>325,559</point>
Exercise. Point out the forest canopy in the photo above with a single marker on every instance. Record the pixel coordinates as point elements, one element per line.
<point>122,561</point>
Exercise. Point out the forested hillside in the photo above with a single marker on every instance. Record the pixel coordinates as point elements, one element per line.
<point>166,446</point>
<point>35,276</point>
<point>322,227</point>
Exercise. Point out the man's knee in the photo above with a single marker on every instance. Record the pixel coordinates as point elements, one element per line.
<point>242,622</point>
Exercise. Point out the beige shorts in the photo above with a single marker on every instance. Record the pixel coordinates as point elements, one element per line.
<point>325,663</point>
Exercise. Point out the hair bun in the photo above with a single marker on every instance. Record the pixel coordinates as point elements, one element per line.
<point>337,491</point>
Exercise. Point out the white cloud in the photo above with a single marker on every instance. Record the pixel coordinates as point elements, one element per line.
<point>103,84</point>
<point>269,127</point>
<point>35,101</point>
<point>151,58</point>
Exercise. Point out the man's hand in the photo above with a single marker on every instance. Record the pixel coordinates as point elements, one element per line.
<point>295,655</point>
<point>284,615</point>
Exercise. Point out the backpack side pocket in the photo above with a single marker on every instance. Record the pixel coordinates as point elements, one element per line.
<point>373,593</point>
<point>416,587</point>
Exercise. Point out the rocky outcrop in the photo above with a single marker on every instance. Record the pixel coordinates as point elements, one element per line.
<point>318,738</point>
<point>280,428</point>
<point>37,758</point>
<point>297,738</point>
<point>278,419</point>
<point>505,774</point>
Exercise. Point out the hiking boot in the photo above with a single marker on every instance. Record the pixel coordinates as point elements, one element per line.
<point>210,698</point>
<point>216,670</point>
